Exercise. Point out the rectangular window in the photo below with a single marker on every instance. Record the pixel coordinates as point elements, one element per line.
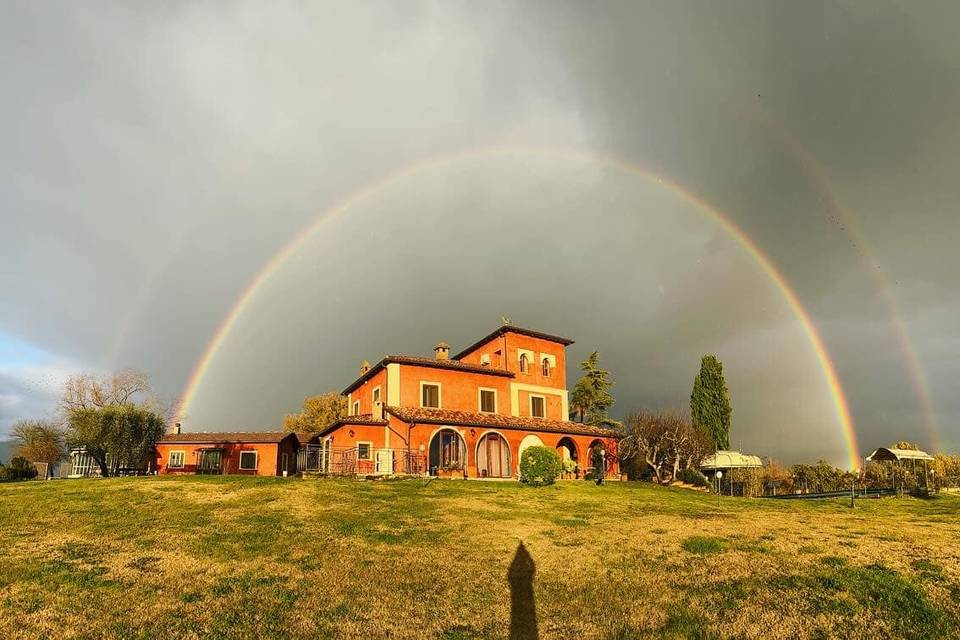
<point>488,401</point>
<point>356,408</point>
<point>363,451</point>
<point>376,395</point>
<point>248,460</point>
<point>537,408</point>
<point>430,395</point>
<point>176,460</point>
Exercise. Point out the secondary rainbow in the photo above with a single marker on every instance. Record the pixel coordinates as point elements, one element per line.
<point>847,222</point>
<point>245,297</point>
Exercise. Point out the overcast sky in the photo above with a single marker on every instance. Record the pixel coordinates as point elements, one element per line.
<point>155,157</point>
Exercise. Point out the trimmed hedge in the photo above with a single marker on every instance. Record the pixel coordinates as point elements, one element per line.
<point>539,466</point>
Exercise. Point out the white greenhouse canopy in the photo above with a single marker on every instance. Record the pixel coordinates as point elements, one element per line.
<point>730,460</point>
<point>896,455</point>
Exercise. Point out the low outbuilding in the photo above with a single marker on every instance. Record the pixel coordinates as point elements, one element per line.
<point>262,453</point>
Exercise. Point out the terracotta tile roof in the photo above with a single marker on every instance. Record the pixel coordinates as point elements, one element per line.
<point>509,328</point>
<point>225,437</point>
<point>490,420</point>
<point>306,438</point>
<point>363,419</point>
<point>426,362</point>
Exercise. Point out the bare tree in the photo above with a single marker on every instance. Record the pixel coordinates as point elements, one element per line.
<point>86,391</point>
<point>647,439</point>
<point>697,447</point>
<point>664,441</point>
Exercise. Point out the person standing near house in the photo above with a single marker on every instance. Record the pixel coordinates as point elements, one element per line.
<point>599,465</point>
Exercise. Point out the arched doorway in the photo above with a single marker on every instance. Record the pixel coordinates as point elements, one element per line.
<point>447,451</point>
<point>567,449</point>
<point>493,456</point>
<point>594,446</point>
<point>529,441</point>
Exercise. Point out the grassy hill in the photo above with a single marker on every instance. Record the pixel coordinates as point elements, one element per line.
<point>246,557</point>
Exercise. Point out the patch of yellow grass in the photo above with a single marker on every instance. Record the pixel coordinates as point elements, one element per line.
<point>230,557</point>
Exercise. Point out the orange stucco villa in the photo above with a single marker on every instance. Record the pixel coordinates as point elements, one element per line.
<point>470,414</point>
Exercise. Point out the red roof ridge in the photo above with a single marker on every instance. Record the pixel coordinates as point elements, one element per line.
<point>509,328</point>
<point>225,436</point>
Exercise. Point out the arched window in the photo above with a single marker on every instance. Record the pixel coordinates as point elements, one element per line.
<point>523,363</point>
<point>546,367</point>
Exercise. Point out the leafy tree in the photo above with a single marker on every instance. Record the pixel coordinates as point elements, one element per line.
<point>710,402</point>
<point>591,396</point>
<point>777,478</point>
<point>39,441</point>
<point>115,435</point>
<point>903,444</point>
<point>318,412</point>
<point>820,477</point>
<point>580,398</point>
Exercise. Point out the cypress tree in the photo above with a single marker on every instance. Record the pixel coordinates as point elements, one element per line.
<point>710,402</point>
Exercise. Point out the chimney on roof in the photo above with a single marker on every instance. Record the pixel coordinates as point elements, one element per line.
<point>442,350</point>
<point>364,367</point>
<point>176,428</point>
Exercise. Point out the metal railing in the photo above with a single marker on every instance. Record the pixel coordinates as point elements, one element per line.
<point>349,462</point>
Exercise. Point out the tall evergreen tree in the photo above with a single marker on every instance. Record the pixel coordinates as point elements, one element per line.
<point>710,402</point>
<point>591,395</point>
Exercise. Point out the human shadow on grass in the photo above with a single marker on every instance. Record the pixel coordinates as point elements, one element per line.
<point>523,608</point>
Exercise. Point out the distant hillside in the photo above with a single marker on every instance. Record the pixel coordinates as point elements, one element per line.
<point>6,449</point>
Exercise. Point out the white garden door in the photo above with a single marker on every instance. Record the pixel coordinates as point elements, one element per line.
<point>384,461</point>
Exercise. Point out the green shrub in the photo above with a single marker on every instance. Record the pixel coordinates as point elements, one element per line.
<point>694,477</point>
<point>539,466</point>
<point>18,469</point>
<point>569,466</point>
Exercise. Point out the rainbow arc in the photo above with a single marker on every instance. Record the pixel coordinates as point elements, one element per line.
<point>722,220</point>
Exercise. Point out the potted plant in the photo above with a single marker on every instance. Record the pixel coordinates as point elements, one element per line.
<point>450,469</point>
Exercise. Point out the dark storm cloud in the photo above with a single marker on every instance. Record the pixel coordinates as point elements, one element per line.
<point>154,159</point>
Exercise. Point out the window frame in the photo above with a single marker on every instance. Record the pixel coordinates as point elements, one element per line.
<point>524,363</point>
<point>355,410</point>
<point>375,394</point>
<point>480,391</point>
<point>369,445</point>
<point>426,383</point>
<point>183,459</point>
<point>256,460</point>
<point>543,400</point>
<point>546,368</point>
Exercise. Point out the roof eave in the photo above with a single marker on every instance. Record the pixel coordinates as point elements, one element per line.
<point>600,433</point>
<point>369,374</point>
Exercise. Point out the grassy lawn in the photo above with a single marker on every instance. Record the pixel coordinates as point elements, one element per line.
<point>246,557</point>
